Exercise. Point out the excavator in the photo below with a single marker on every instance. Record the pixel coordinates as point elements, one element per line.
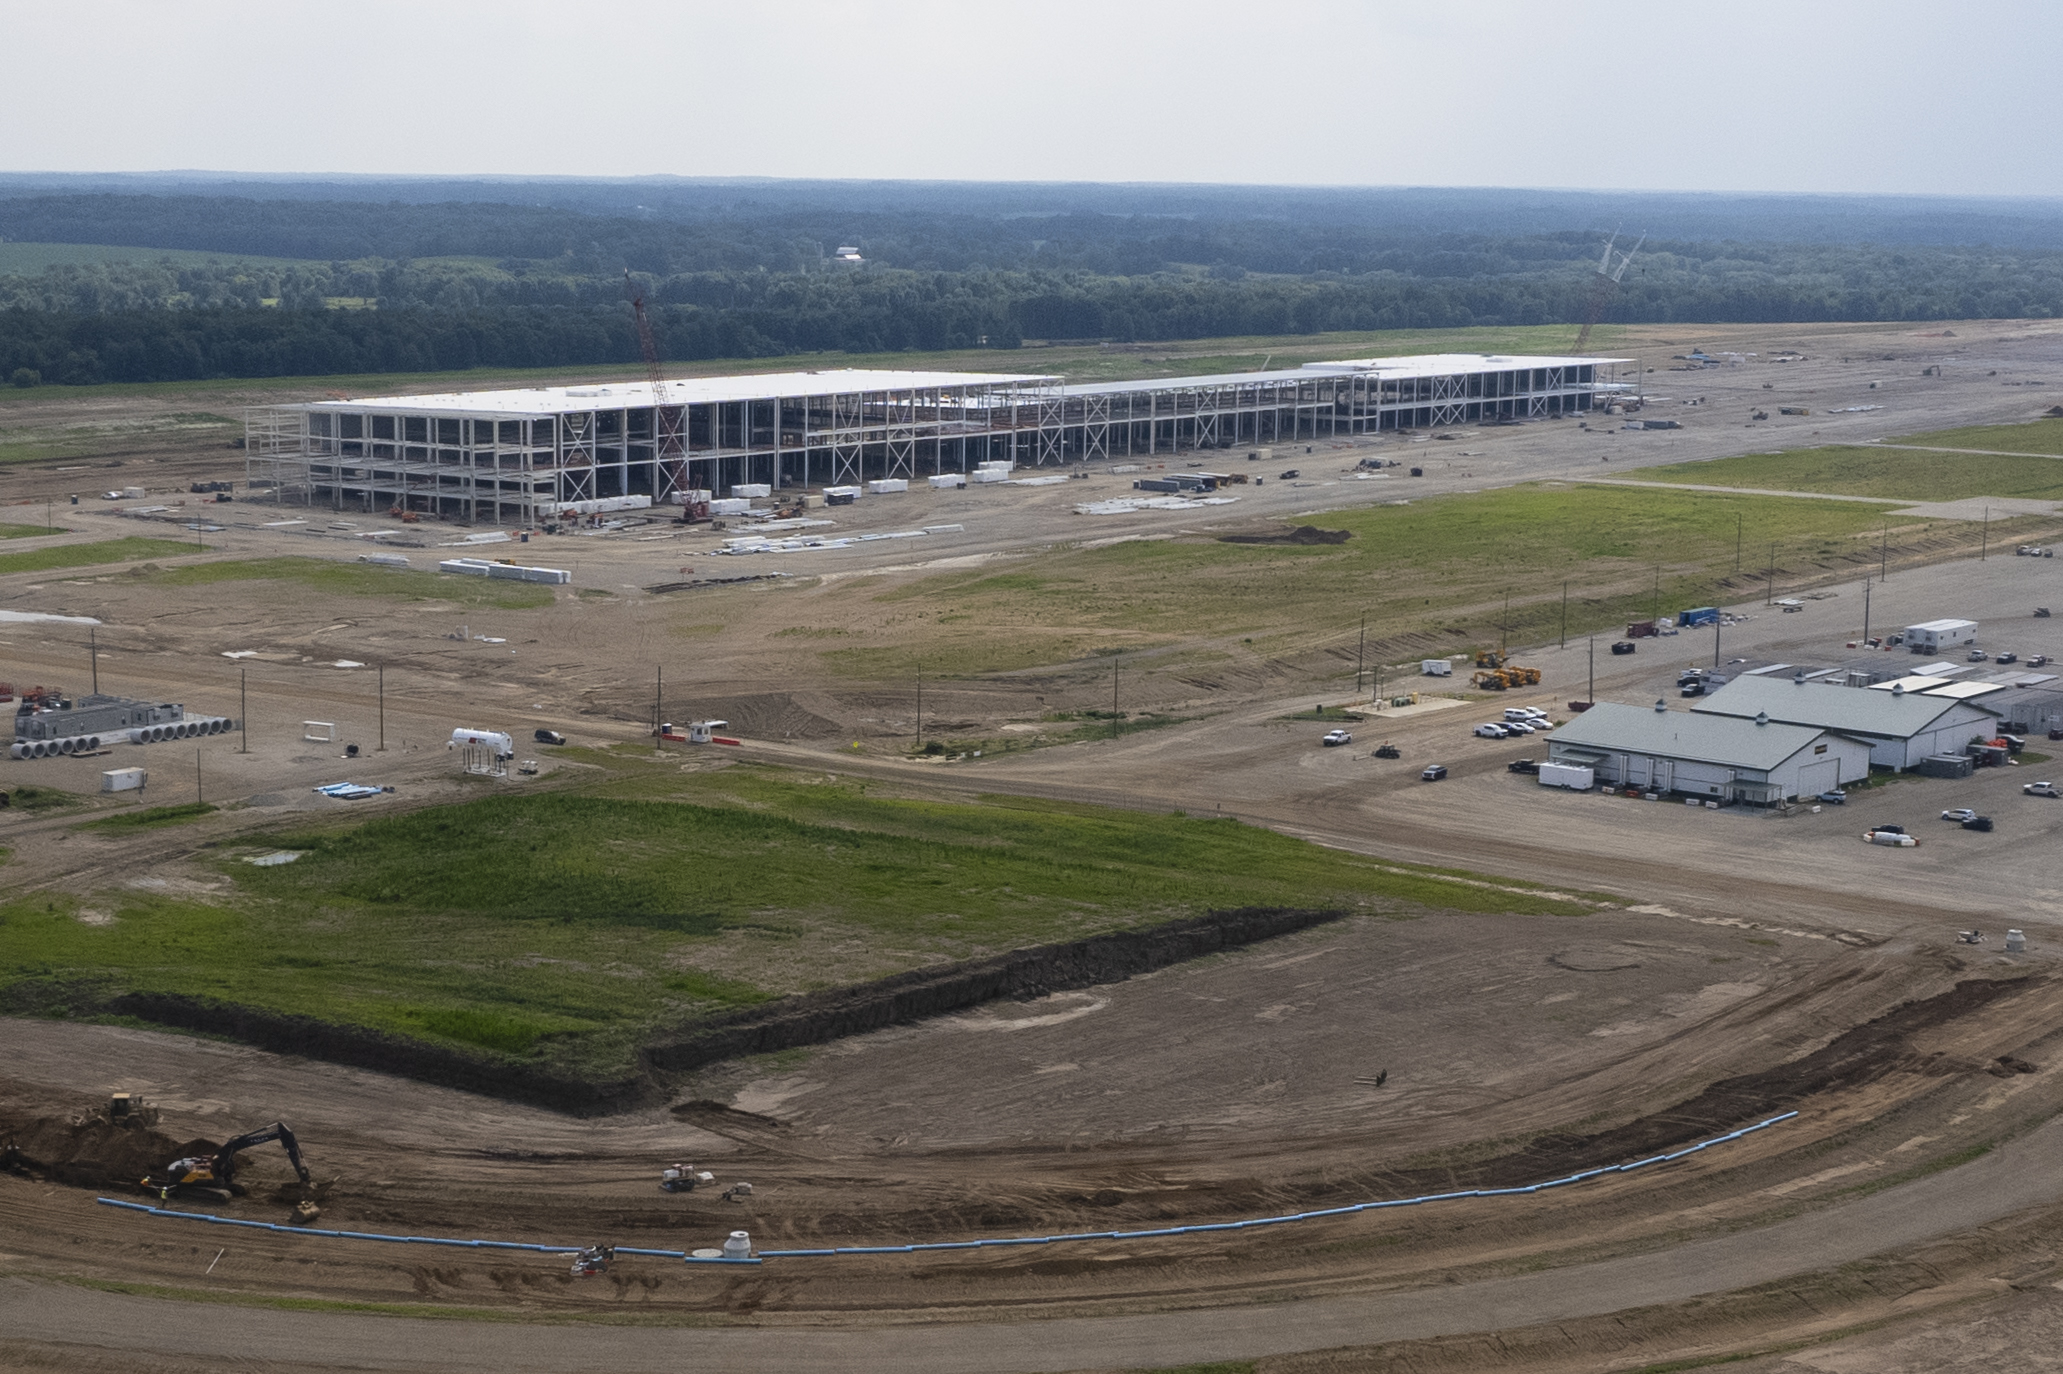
<point>215,1174</point>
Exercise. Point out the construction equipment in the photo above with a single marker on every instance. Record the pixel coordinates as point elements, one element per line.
<point>669,440</point>
<point>1503,679</point>
<point>1489,658</point>
<point>1492,681</point>
<point>216,1173</point>
<point>683,1178</point>
<point>1604,286</point>
<point>593,1260</point>
<point>1387,751</point>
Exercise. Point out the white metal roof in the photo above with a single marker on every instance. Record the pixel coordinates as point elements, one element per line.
<point>1721,739</point>
<point>1942,626</point>
<point>553,400</point>
<point>1844,710</point>
<point>1912,682</point>
<point>1448,364</point>
<point>1963,691</point>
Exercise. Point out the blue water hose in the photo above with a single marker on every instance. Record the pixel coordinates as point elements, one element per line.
<point>984,1244</point>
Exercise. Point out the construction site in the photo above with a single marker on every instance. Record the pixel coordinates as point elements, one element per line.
<point>934,930</point>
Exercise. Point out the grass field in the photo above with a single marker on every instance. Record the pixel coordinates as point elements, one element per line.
<point>88,555</point>
<point>355,579</point>
<point>23,440</point>
<point>29,258</point>
<point>2036,436</point>
<point>1434,572</point>
<point>1906,474</point>
<point>653,896</point>
<point>29,531</point>
<point>150,818</point>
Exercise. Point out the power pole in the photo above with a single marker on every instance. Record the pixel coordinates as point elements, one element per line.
<point>658,703</point>
<point>1504,626</point>
<point>1740,526</point>
<point>1985,547</point>
<point>1772,577</point>
<point>1655,613</point>
<point>1591,694</point>
<point>93,650</point>
<point>1113,695</point>
<point>1565,615</point>
<point>1884,554</point>
<point>197,797</point>
<point>383,708</point>
<point>243,709</point>
<point>1361,654</point>
<point>1866,610</point>
<point>920,708</point>
<point>1715,642</point>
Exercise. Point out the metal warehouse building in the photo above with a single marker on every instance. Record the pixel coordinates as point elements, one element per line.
<point>1903,721</point>
<point>502,457</point>
<point>1716,757</point>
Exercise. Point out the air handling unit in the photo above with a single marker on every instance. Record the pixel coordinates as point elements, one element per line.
<point>48,724</point>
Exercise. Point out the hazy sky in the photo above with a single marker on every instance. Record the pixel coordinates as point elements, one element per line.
<point>1797,95</point>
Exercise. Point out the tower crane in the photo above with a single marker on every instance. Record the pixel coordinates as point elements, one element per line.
<point>1604,286</point>
<point>669,440</point>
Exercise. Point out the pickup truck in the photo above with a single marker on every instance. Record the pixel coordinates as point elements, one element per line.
<point>2041,789</point>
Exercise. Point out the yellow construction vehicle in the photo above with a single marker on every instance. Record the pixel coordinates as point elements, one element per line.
<point>1489,658</point>
<point>1492,681</point>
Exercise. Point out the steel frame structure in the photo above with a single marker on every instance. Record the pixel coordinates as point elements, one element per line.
<point>517,457</point>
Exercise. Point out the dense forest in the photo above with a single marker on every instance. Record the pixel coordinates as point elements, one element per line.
<point>741,270</point>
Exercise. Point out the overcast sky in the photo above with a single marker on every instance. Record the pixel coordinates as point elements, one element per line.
<point>1797,95</point>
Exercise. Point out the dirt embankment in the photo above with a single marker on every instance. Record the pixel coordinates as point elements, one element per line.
<point>83,1149</point>
<point>811,1019</point>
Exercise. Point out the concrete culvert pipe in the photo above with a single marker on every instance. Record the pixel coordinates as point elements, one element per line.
<point>66,746</point>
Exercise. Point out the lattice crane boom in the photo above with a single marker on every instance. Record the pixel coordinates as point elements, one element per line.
<point>668,422</point>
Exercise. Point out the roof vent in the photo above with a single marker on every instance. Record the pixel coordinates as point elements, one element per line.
<point>1762,717</point>
<point>1660,705</point>
<point>1798,678</point>
<point>1898,689</point>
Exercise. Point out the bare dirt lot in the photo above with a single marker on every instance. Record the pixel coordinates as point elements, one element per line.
<point>1749,965</point>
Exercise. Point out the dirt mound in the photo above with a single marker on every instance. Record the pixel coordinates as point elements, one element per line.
<point>1302,534</point>
<point>88,1152</point>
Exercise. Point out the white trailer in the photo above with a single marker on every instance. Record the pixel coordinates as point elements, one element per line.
<point>1569,775</point>
<point>1936,635</point>
<point>1435,667</point>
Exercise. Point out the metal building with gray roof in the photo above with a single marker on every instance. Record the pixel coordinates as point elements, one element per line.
<point>1902,727</point>
<point>1715,757</point>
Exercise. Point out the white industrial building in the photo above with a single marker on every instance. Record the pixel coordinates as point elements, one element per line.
<point>509,457</point>
<point>1903,721</point>
<point>1713,757</point>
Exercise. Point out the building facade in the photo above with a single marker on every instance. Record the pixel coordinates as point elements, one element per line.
<point>1712,758</point>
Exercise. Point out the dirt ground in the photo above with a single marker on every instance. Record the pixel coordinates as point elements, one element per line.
<point>1234,1086</point>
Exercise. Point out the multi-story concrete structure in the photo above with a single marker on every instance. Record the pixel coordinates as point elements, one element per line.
<point>503,457</point>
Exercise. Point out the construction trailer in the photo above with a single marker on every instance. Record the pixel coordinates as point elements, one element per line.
<point>518,456</point>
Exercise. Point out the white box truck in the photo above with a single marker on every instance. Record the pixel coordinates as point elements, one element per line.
<point>1435,667</point>
<point>1569,775</point>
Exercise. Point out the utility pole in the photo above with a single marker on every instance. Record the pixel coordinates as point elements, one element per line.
<point>1866,610</point>
<point>1884,554</point>
<point>1715,642</point>
<point>1361,655</point>
<point>1772,577</point>
<point>1113,694</point>
<point>1565,615</point>
<point>383,708</point>
<point>1740,526</point>
<point>920,708</point>
<point>1504,626</point>
<point>658,703</point>
<point>1655,612</point>
<point>198,799</point>
<point>93,650</point>
<point>243,709</point>
<point>1591,694</point>
<point>1984,548</point>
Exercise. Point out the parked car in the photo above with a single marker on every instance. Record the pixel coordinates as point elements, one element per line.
<point>2007,657</point>
<point>1890,829</point>
<point>1333,737</point>
<point>550,737</point>
<point>1434,773</point>
<point>2038,661</point>
<point>1978,655</point>
<point>2041,789</point>
<point>1522,766</point>
<point>1960,813</point>
<point>1625,646</point>
<point>1490,729</point>
<point>1519,727</point>
<point>1833,796</point>
<point>1977,823</point>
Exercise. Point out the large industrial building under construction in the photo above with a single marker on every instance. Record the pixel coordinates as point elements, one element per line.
<point>513,457</point>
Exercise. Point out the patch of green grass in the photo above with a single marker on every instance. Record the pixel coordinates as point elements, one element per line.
<point>123,822</point>
<point>26,259</point>
<point>87,555</point>
<point>34,798</point>
<point>1430,575</point>
<point>2035,436</point>
<point>356,579</point>
<point>568,925</point>
<point>1902,474</point>
<point>30,531</point>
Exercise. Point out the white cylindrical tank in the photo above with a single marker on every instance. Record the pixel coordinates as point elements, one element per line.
<point>503,746</point>
<point>2016,942</point>
<point>739,1246</point>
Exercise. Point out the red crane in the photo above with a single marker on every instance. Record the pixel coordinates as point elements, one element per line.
<point>1601,290</point>
<point>669,423</point>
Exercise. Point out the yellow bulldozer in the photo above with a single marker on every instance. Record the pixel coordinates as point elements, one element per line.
<point>1505,678</point>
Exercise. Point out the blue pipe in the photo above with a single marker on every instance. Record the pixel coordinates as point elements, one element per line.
<point>988,1243</point>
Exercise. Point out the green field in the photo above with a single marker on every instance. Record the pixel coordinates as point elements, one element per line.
<point>579,922</point>
<point>25,259</point>
<point>1904,474</point>
<point>29,531</point>
<point>355,579</point>
<point>24,440</point>
<point>88,555</point>
<point>150,818</point>
<point>1431,573</point>
<point>2036,436</point>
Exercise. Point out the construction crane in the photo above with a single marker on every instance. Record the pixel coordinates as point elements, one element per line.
<point>668,422</point>
<point>1602,289</point>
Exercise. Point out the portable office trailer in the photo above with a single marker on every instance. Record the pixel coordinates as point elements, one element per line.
<point>1934,636</point>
